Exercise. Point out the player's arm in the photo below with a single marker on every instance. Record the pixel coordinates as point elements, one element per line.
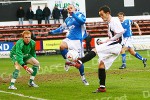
<point>109,33</point>
<point>19,57</point>
<point>59,30</point>
<point>33,52</point>
<point>137,26</point>
<point>19,54</point>
<point>79,18</point>
<point>118,30</point>
<point>118,35</point>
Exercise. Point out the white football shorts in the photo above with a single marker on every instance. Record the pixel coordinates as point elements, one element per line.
<point>75,45</point>
<point>108,52</point>
<point>127,42</point>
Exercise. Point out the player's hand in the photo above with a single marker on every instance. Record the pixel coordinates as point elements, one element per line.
<point>140,33</point>
<point>39,67</point>
<point>98,42</point>
<point>106,41</point>
<point>28,70</point>
<point>71,12</point>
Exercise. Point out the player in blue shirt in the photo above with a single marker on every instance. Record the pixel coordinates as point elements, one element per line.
<point>127,40</point>
<point>75,24</point>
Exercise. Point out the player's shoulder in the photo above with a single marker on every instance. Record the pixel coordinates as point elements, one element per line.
<point>79,13</point>
<point>114,20</point>
<point>32,42</point>
<point>20,42</point>
<point>127,20</point>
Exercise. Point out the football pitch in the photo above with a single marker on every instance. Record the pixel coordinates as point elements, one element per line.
<point>132,83</point>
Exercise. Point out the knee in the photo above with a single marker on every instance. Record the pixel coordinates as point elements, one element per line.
<point>94,49</point>
<point>37,64</point>
<point>123,50</point>
<point>101,65</point>
<point>132,53</point>
<point>63,46</point>
<point>17,65</point>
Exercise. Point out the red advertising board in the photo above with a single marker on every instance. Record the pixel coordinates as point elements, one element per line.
<point>38,45</point>
<point>92,43</point>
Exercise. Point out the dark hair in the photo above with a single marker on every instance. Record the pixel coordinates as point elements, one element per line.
<point>121,13</point>
<point>105,8</point>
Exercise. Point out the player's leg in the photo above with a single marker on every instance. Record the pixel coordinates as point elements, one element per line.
<point>123,54</point>
<point>86,58</point>
<point>102,78</point>
<point>15,75</point>
<point>81,69</point>
<point>64,49</point>
<point>107,55</point>
<point>137,55</point>
<point>35,67</point>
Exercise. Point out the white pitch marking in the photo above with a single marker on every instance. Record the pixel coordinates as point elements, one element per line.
<point>22,95</point>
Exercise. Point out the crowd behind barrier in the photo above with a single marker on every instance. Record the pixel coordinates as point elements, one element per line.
<point>40,31</point>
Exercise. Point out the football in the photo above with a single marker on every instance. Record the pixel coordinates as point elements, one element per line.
<point>72,55</point>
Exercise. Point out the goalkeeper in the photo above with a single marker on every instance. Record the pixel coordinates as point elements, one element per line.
<point>23,53</point>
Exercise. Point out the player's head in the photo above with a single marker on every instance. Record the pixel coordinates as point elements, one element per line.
<point>104,13</point>
<point>20,7</point>
<point>26,35</point>
<point>121,16</point>
<point>71,8</point>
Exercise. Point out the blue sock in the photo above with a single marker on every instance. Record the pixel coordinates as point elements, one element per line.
<point>123,58</point>
<point>81,70</point>
<point>63,53</point>
<point>138,56</point>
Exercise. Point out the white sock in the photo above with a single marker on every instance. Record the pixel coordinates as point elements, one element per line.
<point>83,77</point>
<point>102,86</point>
<point>32,77</point>
<point>13,80</point>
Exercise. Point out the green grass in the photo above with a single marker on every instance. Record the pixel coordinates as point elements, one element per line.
<point>132,83</point>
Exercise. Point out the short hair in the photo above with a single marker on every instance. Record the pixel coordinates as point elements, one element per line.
<point>25,32</point>
<point>105,8</point>
<point>121,13</point>
<point>72,5</point>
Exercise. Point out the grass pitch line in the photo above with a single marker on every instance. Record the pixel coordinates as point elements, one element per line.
<point>22,95</point>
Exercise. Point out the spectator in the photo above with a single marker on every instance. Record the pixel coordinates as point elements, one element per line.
<point>20,15</point>
<point>64,14</point>
<point>30,15</point>
<point>46,13</point>
<point>56,14</point>
<point>39,15</point>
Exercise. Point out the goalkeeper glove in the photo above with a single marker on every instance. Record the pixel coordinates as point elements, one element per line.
<point>28,70</point>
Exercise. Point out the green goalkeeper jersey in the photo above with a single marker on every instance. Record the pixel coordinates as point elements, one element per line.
<point>21,50</point>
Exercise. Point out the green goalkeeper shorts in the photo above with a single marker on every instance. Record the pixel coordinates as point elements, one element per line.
<point>25,58</point>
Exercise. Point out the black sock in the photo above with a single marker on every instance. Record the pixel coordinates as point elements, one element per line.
<point>101,76</point>
<point>88,56</point>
